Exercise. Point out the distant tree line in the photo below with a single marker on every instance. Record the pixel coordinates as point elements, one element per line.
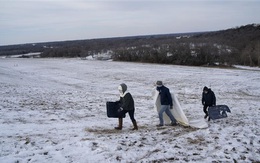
<point>240,45</point>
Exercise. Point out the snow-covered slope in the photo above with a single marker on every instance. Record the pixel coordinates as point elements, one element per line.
<point>53,110</point>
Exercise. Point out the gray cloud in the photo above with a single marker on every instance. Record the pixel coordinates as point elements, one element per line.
<point>27,21</point>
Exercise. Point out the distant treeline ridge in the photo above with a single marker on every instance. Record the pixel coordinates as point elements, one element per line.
<point>239,45</point>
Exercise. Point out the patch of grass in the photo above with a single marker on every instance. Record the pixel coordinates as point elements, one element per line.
<point>102,131</point>
<point>196,140</point>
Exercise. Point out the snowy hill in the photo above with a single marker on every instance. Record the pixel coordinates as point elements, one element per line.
<point>53,110</point>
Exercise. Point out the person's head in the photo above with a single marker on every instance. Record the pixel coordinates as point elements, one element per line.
<point>122,88</point>
<point>205,89</point>
<point>159,83</point>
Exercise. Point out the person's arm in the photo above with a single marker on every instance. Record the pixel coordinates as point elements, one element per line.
<point>126,101</point>
<point>119,101</point>
<point>203,99</point>
<point>169,97</point>
<point>214,98</point>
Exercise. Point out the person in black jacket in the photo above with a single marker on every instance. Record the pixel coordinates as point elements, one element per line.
<point>126,105</point>
<point>208,99</point>
<point>166,103</point>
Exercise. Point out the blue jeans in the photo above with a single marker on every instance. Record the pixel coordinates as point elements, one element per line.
<point>166,109</point>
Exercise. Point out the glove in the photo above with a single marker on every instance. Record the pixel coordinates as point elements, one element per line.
<point>171,107</point>
<point>120,109</point>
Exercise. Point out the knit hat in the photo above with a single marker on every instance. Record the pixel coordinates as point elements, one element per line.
<point>122,87</point>
<point>159,83</point>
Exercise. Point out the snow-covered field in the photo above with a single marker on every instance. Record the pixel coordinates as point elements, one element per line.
<point>54,110</point>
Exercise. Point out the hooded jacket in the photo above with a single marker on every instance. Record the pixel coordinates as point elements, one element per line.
<point>126,99</point>
<point>165,95</point>
<point>209,98</point>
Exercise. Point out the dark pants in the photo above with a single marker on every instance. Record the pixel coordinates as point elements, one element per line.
<point>130,113</point>
<point>205,109</point>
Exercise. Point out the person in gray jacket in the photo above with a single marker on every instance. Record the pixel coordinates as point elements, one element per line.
<point>126,106</point>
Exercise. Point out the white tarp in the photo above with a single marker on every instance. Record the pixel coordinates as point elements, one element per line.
<point>177,113</point>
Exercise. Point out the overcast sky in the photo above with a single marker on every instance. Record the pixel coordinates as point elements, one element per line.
<point>32,21</point>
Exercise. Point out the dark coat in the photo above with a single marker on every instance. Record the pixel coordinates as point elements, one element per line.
<point>127,102</point>
<point>165,95</point>
<point>209,98</point>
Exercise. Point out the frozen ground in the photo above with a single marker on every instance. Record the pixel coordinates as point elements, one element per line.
<point>53,110</point>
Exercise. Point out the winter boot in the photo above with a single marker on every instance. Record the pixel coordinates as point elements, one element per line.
<point>135,125</point>
<point>120,124</point>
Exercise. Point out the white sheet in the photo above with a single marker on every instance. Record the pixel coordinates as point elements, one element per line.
<point>177,113</point>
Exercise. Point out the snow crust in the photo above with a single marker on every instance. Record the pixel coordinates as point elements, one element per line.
<point>54,110</point>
